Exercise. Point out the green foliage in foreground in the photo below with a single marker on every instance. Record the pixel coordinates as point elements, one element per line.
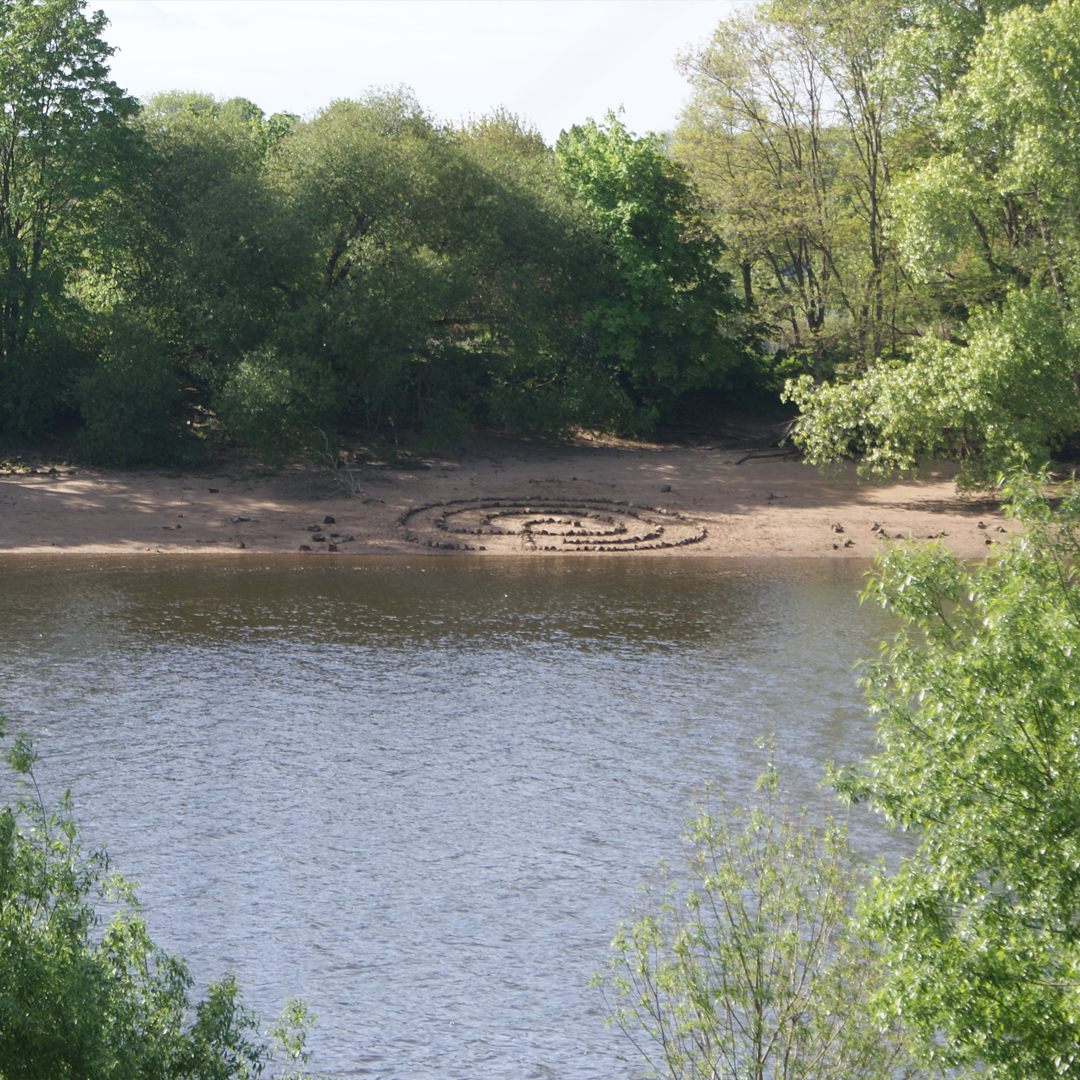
<point>782,960</point>
<point>759,968</point>
<point>978,706</point>
<point>78,999</point>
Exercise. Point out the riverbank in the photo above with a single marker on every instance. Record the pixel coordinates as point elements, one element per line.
<point>731,502</point>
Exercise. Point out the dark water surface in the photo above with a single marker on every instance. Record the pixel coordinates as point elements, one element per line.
<point>419,793</point>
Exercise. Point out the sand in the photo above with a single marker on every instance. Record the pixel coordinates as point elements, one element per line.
<point>733,502</point>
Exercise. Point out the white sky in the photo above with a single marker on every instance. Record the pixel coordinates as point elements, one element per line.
<point>554,62</point>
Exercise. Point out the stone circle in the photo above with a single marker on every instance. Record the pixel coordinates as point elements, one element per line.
<point>548,525</point>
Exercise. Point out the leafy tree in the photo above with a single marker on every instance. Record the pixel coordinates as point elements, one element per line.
<point>368,180</point>
<point>63,145</point>
<point>1004,397</point>
<point>213,259</point>
<point>759,968</point>
<point>792,134</point>
<point>210,264</point>
<point>450,267</point>
<point>79,999</point>
<point>538,261</point>
<point>976,700</point>
<point>989,224</point>
<point>659,325</point>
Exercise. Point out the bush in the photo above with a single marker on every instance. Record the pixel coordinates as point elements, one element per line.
<point>268,405</point>
<point>78,999</point>
<point>130,405</point>
<point>758,968</point>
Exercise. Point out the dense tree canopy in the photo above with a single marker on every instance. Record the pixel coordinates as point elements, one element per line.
<point>64,148</point>
<point>875,202</point>
<point>653,325</point>
<point>194,272</point>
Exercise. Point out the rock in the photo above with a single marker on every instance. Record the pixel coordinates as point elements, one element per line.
<point>319,539</point>
<point>241,544</point>
<point>331,547</point>
<point>350,537</point>
<point>305,547</point>
<point>875,527</point>
<point>213,491</point>
<point>849,543</point>
<point>666,487</point>
<point>328,520</point>
<point>981,525</point>
<point>838,528</point>
<point>314,528</point>
<point>237,520</point>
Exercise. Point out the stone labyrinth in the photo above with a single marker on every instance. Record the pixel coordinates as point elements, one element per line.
<point>510,526</point>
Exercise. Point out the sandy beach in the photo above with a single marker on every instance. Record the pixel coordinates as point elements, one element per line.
<point>497,496</point>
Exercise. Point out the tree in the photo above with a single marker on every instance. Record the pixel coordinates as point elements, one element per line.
<point>990,226</point>
<point>979,729</point>
<point>63,144</point>
<point>78,999</point>
<point>759,969</point>
<point>450,270</point>
<point>791,133</point>
<point>658,325</point>
<point>207,266</point>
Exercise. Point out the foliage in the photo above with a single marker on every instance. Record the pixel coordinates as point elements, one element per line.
<point>211,262</point>
<point>131,405</point>
<point>760,968</point>
<point>63,146</point>
<point>988,224</point>
<point>792,134</point>
<point>448,269</point>
<point>1003,399</point>
<point>268,402</point>
<point>976,700</point>
<point>658,321</point>
<point>101,1002</point>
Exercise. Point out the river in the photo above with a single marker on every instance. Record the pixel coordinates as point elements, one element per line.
<point>419,793</point>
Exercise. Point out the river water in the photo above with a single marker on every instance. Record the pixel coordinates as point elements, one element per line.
<point>420,793</point>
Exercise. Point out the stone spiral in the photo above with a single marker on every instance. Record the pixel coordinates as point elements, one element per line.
<point>563,526</point>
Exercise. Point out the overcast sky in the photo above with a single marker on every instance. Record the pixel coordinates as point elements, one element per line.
<point>555,62</point>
